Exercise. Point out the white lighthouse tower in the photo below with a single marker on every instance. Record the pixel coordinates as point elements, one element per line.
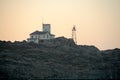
<point>74,34</point>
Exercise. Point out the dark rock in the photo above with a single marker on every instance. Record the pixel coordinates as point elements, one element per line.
<point>59,58</point>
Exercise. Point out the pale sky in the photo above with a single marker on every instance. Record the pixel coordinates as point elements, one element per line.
<point>97,21</point>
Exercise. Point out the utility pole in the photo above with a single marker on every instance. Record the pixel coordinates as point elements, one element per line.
<point>74,34</point>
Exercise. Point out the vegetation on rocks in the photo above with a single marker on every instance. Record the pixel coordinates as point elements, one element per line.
<point>59,58</point>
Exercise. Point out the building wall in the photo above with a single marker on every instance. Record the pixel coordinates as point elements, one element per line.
<point>36,38</point>
<point>32,40</point>
<point>52,37</point>
<point>41,36</point>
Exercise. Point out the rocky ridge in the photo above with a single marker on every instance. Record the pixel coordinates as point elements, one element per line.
<point>59,58</point>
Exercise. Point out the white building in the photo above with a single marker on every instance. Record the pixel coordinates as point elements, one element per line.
<point>37,36</point>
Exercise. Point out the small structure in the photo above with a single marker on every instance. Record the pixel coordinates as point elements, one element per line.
<point>74,34</point>
<point>37,36</point>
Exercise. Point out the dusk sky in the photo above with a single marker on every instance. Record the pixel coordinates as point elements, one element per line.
<point>97,21</point>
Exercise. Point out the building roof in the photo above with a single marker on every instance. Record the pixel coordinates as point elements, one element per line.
<point>46,24</point>
<point>52,34</point>
<point>38,32</point>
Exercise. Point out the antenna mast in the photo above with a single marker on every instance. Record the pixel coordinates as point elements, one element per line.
<point>42,21</point>
<point>74,34</point>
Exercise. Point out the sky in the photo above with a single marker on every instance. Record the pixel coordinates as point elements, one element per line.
<point>97,21</point>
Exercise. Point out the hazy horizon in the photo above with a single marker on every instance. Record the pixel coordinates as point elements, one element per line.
<point>97,21</point>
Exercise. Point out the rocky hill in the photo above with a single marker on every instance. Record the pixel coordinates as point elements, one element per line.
<point>59,58</point>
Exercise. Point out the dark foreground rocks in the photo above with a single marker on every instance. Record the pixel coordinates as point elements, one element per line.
<point>59,58</point>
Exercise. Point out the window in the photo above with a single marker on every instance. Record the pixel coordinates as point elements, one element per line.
<point>39,36</point>
<point>31,36</point>
<point>47,35</point>
<point>43,36</point>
